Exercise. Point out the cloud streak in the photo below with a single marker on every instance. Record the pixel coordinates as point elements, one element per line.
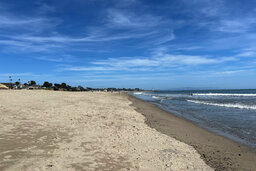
<point>159,62</point>
<point>31,24</point>
<point>41,33</point>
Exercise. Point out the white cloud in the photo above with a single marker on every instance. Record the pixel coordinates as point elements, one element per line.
<point>118,18</point>
<point>124,3</point>
<point>210,8</point>
<point>39,33</point>
<point>221,16</point>
<point>236,26</point>
<point>50,59</point>
<point>91,38</point>
<point>158,62</point>
<point>54,43</point>
<point>247,54</point>
<point>86,68</point>
<point>14,74</point>
<point>160,29</point>
<point>23,46</point>
<point>32,24</point>
<point>229,72</point>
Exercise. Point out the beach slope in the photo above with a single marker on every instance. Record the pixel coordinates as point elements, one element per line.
<point>42,130</point>
<point>217,151</point>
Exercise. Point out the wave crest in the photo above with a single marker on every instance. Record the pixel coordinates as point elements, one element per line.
<point>229,105</point>
<point>138,93</point>
<point>223,94</point>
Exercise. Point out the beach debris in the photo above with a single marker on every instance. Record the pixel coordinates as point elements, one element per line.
<point>50,165</point>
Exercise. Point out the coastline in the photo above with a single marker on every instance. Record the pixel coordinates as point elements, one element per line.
<point>217,151</point>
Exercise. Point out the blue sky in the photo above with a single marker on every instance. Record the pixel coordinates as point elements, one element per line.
<point>130,43</point>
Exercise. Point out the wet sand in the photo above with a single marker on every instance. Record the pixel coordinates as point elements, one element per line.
<point>217,151</point>
<point>48,130</point>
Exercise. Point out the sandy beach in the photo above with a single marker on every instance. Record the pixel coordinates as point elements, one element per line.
<point>47,130</point>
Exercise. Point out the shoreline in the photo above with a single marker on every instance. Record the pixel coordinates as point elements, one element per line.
<point>217,151</point>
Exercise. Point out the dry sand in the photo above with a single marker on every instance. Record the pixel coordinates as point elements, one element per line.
<point>46,130</point>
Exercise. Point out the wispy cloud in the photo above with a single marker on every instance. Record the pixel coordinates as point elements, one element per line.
<point>142,23</point>
<point>50,59</point>
<point>247,54</point>
<point>32,24</point>
<point>219,16</point>
<point>58,42</point>
<point>121,18</point>
<point>159,61</point>
<point>241,25</point>
<point>17,46</point>
<point>14,74</point>
<point>41,33</point>
<point>94,37</point>
<point>165,60</point>
<point>222,73</point>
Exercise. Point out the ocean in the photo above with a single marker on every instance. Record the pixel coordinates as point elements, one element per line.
<point>230,113</point>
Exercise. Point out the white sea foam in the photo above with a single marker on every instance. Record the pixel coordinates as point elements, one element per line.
<point>138,93</point>
<point>229,105</point>
<point>222,94</point>
<point>156,97</point>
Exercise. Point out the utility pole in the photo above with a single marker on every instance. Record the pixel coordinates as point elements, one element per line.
<point>10,78</point>
<point>19,86</point>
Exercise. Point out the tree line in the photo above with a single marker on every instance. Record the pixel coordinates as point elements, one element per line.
<point>65,87</point>
<point>62,86</point>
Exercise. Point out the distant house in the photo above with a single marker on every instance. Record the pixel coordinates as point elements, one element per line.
<point>9,85</point>
<point>32,87</point>
<point>14,86</point>
<point>2,86</point>
<point>20,86</point>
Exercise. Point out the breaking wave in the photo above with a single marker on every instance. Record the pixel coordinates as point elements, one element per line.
<point>229,105</point>
<point>138,93</point>
<point>156,97</point>
<point>222,94</point>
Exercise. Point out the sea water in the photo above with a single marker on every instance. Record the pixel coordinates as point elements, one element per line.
<point>230,113</point>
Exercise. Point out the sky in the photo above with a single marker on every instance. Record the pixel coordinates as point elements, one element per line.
<point>165,44</point>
